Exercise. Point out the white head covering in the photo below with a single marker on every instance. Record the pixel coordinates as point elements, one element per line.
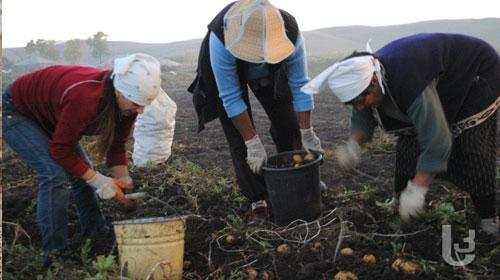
<point>254,31</point>
<point>137,77</point>
<point>346,79</point>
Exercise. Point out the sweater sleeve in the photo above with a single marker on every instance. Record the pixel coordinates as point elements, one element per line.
<point>225,71</point>
<point>433,134</point>
<point>296,66</point>
<point>73,121</point>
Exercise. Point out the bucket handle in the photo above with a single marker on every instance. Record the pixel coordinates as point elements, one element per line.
<point>170,206</point>
<point>162,263</point>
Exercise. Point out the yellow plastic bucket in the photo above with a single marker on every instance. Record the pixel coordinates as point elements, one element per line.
<point>151,247</point>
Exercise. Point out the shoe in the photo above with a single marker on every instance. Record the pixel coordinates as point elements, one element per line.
<point>491,226</point>
<point>64,257</point>
<point>393,202</point>
<point>322,186</point>
<point>259,213</point>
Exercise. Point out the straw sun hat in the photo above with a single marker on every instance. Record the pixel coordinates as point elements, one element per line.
<point>254,31</point>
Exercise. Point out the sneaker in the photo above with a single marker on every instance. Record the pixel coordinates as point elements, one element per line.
<point>259,213</point>
<point>322,186</point>
<point>394,202</point>
<point>491,226</point>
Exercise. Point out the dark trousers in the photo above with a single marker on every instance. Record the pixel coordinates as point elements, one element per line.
<point>471,166</point>
<point>284,132</point>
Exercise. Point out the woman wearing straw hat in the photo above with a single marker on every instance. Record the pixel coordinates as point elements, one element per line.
<point>440,93</point>
<point>251,42</point>
<point>45,115</point>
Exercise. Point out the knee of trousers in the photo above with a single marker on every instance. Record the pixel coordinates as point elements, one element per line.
<point>55,178</point>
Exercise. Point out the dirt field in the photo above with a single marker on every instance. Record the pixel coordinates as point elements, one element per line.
<point>198,179</point>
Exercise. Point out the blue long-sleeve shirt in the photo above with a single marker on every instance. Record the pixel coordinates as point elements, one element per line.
<point>225,71</point>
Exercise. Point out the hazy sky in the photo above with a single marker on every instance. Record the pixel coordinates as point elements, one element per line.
<point>163,21</point>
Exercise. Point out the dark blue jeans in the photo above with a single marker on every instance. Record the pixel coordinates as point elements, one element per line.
<point>31,142</point>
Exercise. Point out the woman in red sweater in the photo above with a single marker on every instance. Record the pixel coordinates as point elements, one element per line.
<point>45,115</point>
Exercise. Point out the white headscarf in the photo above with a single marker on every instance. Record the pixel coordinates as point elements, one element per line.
<point>137,77</point>
<point>346,79</point>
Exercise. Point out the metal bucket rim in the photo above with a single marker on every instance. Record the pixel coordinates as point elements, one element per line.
<point>319,157</point>
<point>150,220</point>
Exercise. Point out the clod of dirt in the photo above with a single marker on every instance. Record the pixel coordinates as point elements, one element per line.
<point>284,249</point>
<point>298,158</point>
<point>252,274</point>
<point>186,264</point>
<point>347,252</point>
<point>345,275</point>
<point>230,239</point>
<point>369,258</point>
<point>309,157</point>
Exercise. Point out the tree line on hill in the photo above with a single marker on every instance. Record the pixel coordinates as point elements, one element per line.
<point>73,53</point>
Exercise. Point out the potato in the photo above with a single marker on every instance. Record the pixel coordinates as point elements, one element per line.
<point>298,158</point>
<point>309,157</point>
<point>267,275</point>
<point>252,274</point>
<point>346,252</point>
<point>230,239</point>
<point>409,267</point>
<point>315,248</point>
<point>396,264</point>
<point>186,264</point>
<point>297,165</point>
<point>284,249</point>
<point>369,258</point>
<point>345,275</point>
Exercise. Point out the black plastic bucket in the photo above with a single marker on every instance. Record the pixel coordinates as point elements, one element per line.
<point>294,191</point>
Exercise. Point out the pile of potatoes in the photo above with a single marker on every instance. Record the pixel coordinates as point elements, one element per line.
<point>298,160</point>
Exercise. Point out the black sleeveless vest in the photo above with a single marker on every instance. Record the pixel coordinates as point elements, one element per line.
<point>206,99</point>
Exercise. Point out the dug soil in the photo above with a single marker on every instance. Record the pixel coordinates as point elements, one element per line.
<point>198,180</point>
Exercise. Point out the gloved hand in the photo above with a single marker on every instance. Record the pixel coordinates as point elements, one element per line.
<point>411,201</point>
<point>348,155</point>
<point>122,186</point>
<point>310,141</point>
<point>107,187</point>
<point>256,155</point>
<point>132,207</point>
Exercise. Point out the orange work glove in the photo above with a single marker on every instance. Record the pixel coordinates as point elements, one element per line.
<point>119,195</point>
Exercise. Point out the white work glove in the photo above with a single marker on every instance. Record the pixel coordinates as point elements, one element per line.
<point>104,186</point>
<point>348,155</point>
<point>490,226</point>
<point>256,155</point>
<point>411,201</point>
<point>127,180</point>
<point>310,141</point>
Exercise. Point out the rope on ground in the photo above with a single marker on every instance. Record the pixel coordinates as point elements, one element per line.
<point>341,237</point>
<point>294,226</point>
<point>402,235</point>
<point>364,174</point>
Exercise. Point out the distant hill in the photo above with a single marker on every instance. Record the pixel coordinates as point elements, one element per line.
<point>343,40</point>
<point>331,42</point>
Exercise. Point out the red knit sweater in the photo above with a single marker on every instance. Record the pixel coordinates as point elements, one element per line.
<point>63,100</point>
